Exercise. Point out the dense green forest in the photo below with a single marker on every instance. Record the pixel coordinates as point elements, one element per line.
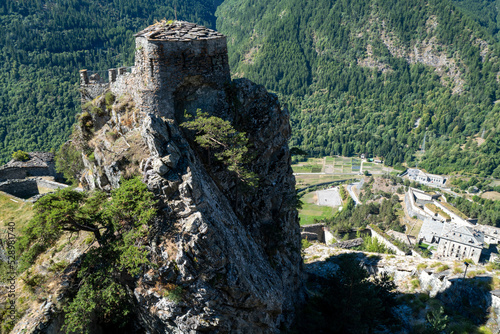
<point>347,70</point>
<point>43,44</point>
<point>485,12</point>
<point>376,77</point>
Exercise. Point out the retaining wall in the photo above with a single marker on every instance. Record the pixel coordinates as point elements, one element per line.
<point>386,242</point>
<point>412,208</point>
<point>316,229</point>
<point>20,188</point>
<point>28,188</point>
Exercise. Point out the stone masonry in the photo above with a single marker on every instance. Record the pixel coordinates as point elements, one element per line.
<point>173,61</point>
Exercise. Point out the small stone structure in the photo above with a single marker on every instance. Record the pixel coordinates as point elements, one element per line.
<point>30,179</point>
<point>174,60</point>
<point>38,164</point>
<point>29,188</point>
<point>317,232</point>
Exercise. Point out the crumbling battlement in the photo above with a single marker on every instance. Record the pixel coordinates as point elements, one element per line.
<point>172,59</point>
<point>28,188</point>
<point>39,164</point>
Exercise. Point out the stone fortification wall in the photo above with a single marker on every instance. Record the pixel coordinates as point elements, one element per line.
<point>20,188</point>
<point>454,217</point>
<point>166,74</point>
<point>28,188</point>
<point>412,208</point>
<point>308,231</point>
<point>386,242</point>
<point>50,184</point>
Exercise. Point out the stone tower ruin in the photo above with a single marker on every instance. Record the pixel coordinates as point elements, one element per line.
<point>173,61</point>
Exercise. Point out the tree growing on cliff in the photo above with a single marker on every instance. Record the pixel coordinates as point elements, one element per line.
<point>230,146</point>
<point>119,223</point>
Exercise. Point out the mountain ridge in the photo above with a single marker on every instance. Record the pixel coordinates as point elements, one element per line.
<point>358,84</point>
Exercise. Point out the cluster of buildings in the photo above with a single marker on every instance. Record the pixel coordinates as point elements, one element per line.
<point>429,179</point>
<point>447,231</point>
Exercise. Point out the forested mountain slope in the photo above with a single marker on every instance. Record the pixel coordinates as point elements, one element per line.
<point>375,77</point>
<point>43,44</point>
<point>485,12</point>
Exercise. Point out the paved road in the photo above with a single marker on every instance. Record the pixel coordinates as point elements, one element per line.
<point>352,193</point>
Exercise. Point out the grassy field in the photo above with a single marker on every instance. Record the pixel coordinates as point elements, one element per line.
<point>14,210</point>
<point>311,212</point>
<point>493,195</point>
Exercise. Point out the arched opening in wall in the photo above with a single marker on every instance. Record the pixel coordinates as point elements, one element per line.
<point>194,93</point>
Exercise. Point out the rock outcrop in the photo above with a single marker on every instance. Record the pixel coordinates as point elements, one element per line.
<point>233,252</point>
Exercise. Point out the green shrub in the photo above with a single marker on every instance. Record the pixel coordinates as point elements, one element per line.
<point>69,162</point>
<point>306,243</point>
<point>110,99</point>
<point>58,266</point>
<point>442,268</point>
<point>85,120</point>
<point>174,293</point>
<point>33,281</point>
<point>421,266</point>
<point>20,156</point>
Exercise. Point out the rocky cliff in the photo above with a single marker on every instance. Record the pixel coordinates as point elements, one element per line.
<point>232,252</point>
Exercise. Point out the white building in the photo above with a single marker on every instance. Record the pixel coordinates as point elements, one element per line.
<point>421,177</point>
<point>460,243</point>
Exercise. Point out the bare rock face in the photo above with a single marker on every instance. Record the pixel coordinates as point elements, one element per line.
<point>234,252</point>
<point>226,257</point>
<point>231,253</point>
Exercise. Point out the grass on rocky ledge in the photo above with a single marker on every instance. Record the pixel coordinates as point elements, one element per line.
<point>14,210</point>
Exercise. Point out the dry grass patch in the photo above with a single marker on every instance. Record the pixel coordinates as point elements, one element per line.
<point>493,195</point>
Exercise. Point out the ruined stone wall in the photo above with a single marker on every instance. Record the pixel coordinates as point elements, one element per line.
<point>23,172</point>
<point>165,69</point>
<point>20,188</point>
<point>167,72</point>
<point>308,231</point>
<point>386,242</point>
<point>92,90</point>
